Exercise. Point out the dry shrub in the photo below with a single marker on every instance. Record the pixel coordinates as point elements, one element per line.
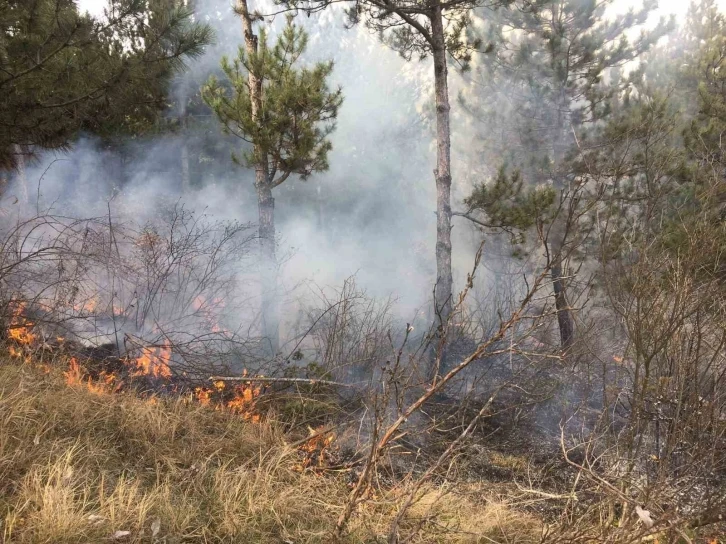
<point>177,280</point>
<point>349,331</point>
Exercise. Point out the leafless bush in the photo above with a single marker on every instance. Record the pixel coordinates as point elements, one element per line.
<point>660,446</point>
<point>344,332</point>
<point>404,389</point>
<point>654,466</point>
<point>173,282</point>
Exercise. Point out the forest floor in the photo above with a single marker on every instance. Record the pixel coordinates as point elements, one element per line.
<point>79,465</point>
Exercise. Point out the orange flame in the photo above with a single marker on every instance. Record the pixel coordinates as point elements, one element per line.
<point>20,329</point>
<point>203,395</point>
<point>86,306</point>
<point>154,361</point>
<point>317,450</point>
<point>242,402</point>
<point>244,399</point>
<point>75,375</point>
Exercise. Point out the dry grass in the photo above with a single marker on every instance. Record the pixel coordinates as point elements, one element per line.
<point>77,466</point>
<point>515,463</point>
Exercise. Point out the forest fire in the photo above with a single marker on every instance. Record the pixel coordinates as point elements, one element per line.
<point>317,450</point>
<point>20,328</point>
<point>240,399</point>
<point>106,382</point>
<point>87,306</point>
<point>154,362</point>
<point>243,401</point>
<point>152,368</point>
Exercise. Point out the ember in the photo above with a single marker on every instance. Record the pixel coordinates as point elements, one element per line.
<point>317,451</point>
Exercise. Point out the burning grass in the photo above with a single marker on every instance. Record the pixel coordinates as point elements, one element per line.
<point>151,371</point>
<point>240,399</point>
<point>76,466</point>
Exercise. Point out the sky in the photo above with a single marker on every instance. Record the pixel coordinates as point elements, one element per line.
<point>676,7</point>
<point>95,7</point>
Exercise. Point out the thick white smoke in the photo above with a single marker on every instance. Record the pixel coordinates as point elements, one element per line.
<point>371,215</point>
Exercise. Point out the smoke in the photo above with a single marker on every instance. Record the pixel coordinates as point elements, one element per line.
<point>371,215</point>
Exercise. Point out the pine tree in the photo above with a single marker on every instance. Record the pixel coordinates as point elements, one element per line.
<point>63,72</point>
<point>422,28</point>
<point>552,73</point>
<point>663,150</point>
<point>286,114</point>
<point>703,68</point>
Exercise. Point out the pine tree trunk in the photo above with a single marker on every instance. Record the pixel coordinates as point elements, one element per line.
<point>565,319</point>
<point>268,265</point>
<point>321,217</point>
<point>22,175</point>
<point>444,280</point>
<point>185,177</point>
<point>265,202</point>
<point>186,180</point>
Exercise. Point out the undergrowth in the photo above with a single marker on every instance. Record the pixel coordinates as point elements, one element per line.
<point>83,467</point>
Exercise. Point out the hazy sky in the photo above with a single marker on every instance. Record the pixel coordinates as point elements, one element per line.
<point>677,7</point>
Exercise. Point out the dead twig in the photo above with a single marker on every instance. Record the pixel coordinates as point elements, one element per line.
<point>310,381</point>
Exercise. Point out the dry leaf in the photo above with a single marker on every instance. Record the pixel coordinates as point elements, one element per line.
<point>36,440</point>
<point>118,535</point>
<point>155,527</point>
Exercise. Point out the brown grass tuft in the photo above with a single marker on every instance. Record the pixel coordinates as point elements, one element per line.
<point>78,466</point>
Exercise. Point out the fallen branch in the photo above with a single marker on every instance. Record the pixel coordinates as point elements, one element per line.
<point>277,380</point>
<point>545,495</point>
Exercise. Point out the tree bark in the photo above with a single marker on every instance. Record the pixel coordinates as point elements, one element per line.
<point>319,199</point>
<point>565,319</point>
<point>444,279</point>
<point>186,180</point>
<point>22,175</point>
<point>185,177</point>
<point>265,202</point>
<point>268,266</point>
